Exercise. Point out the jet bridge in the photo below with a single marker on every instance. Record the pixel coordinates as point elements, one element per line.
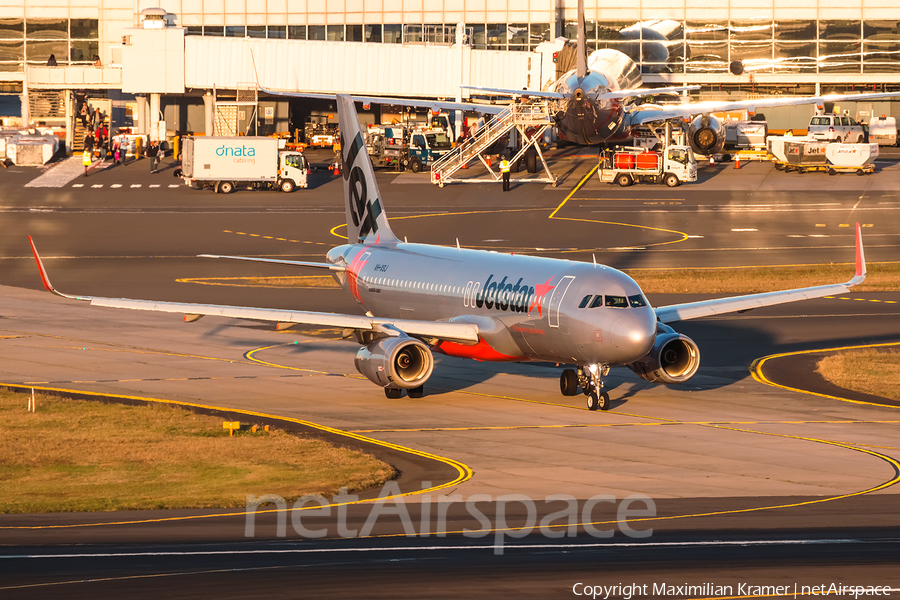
<point>530,120</point>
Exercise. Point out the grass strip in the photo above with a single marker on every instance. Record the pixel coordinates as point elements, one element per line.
<point>869,370</point>
<point>74,455</point>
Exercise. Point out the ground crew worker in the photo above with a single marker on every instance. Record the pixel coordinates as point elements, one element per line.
<point>504,168</point>
<point>86,160</point>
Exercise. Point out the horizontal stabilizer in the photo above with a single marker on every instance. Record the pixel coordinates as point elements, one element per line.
<point>279,261</point>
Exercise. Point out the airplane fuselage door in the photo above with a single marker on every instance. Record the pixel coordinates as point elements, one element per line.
<point>556,299</point>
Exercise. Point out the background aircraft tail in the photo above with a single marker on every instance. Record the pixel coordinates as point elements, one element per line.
<point>581,57</point>
<point>366,220</point>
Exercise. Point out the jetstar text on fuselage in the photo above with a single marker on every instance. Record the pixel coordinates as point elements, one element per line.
<point>505,295</point>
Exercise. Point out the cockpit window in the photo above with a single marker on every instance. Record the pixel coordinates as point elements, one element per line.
<point>616,301</point>
<point>584,301</point>
<point>637,301</point>
<point>598,301</point>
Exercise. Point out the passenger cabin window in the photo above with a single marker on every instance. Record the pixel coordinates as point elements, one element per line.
<point>584,301</point>
<point>598,301</point>
<point>616,301</point>
<point>637,301</point>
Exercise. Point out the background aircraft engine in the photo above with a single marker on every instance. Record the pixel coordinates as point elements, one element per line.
<point>674,358</point>
<point>398,361</point>
<point>706,135</point>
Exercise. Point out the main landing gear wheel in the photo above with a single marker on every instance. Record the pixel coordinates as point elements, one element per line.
<point>568,382</point>
<point>416,392</point>
<point>393,393</point>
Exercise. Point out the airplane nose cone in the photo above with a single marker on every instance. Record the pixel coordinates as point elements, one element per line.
<point>634,335</point>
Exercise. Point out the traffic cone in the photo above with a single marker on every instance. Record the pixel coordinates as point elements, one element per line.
<point>737,161</point>
<point>337,170</point>
<point>488,160</point>
<point>712,161</point>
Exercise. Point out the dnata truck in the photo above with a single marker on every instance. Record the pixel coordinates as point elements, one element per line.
<point>225,163</point>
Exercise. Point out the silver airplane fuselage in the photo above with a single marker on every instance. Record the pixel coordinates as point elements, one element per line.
<point>525,307</point>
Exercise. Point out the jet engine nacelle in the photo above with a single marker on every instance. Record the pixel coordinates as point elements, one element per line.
<point>674,358</point>
<point>706,135</point>
<point>401,362</point>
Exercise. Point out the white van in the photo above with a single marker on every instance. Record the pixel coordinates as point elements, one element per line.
<point>836,128</point>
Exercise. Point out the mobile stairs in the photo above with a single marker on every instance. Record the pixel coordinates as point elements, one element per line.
<point>530,120</point>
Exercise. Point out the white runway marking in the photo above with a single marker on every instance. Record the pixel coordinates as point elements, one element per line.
<point>698,544</point>
<point>97,185</point>
<point>154,185</point>
<point>77,185</point>
<point>172,185</point>
<point>116,185</point>
<point>745,229</point>
<point>134,185</point>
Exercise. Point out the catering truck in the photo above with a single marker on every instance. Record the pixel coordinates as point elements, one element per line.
<point>226,163</point>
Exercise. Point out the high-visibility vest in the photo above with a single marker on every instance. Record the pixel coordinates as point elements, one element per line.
<point>504,166</point>
<point>86,158</point>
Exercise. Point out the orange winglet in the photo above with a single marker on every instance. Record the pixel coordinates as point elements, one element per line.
<point>40,264</point>
<point>860,255</point>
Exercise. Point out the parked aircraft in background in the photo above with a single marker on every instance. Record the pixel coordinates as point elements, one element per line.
<point>419,299</point>
<point>592,103</point>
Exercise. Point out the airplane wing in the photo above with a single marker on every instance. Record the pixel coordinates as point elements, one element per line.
<point>706,308</point>
<point>278,261</point>
<point>420,102</point>
<point>641,92</point>
<point>509,92</point>
<point>464,333</point>
<point>632,93</point>
<point>690,109</point>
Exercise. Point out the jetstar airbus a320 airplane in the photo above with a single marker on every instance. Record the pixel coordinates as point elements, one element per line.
<point>419,299</point>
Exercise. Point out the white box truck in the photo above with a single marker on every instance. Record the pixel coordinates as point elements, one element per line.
<point>225,163</point>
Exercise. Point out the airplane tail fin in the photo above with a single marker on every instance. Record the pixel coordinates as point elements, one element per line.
<point>581,65</point>
<point>365,213</point>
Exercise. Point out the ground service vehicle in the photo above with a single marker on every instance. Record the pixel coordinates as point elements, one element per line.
<point>426,146</point>
<point>746,134</point>
<point>386,148</point>
<point>804,155</point>
<point>225,163</point>
<point>322,135</point>
<point>836,128</point>
<point>883,131</point>
<point>672,166</point>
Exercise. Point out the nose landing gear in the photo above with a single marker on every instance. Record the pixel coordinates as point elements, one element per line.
<point>590,378</point>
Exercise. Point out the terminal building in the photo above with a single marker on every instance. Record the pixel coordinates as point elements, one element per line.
<point>167,67</point>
